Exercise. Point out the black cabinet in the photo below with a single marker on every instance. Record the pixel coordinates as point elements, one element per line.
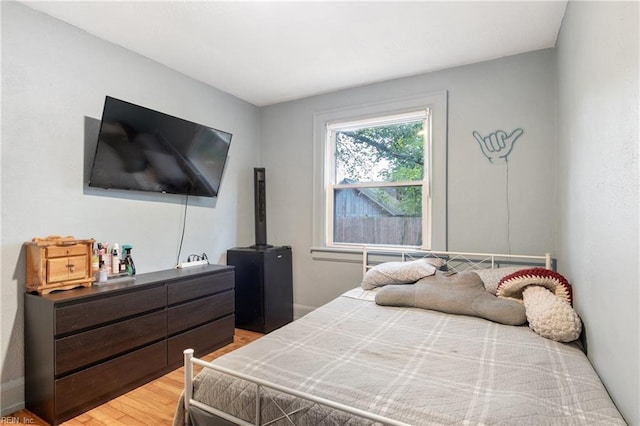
<point>264,287</point>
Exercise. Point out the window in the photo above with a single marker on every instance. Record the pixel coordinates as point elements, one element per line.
<point>380,175</point>
<point>377,188</point>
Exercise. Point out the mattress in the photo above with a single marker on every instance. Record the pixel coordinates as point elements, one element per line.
<point>413,365</point>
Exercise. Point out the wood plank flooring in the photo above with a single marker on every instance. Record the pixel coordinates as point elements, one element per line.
<point>150,404</point>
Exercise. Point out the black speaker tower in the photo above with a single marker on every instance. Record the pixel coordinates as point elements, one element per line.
<point>260,201</point>
<point>263,274</point>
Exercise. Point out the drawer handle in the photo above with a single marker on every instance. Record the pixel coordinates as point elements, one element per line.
<point>71,267</point>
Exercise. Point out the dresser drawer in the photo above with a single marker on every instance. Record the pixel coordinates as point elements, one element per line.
<point>199,286</point>
<point>189,315</point>
<point>74,352</point>
<point>85,389</point>
<point>65,251</point>
<point>106,309</point>
<point>202,340</point>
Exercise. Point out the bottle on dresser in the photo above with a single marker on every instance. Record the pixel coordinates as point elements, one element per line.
<point>115,259</point>
<point>95,261</point>
<point>107,257</point>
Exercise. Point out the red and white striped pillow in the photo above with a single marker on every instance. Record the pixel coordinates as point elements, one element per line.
<point>513,284</point>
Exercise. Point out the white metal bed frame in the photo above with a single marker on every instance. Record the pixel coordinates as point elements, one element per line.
<point>261,389</point>
<point>456,261</point>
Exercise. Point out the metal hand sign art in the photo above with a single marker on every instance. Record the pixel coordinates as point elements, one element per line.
<point>498,145</point>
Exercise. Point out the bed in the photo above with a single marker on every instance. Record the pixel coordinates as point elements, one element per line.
<point>356,362</point>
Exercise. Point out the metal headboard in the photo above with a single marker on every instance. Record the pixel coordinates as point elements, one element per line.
<point>454,261</point>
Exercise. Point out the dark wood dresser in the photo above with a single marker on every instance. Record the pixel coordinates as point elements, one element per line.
<point>86,346</point>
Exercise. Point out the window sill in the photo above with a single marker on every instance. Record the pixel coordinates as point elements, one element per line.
<point>355,254</point>
<point>337,254</point>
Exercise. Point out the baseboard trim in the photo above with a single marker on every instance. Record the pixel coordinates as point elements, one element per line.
<point>301,310</point>
<point>11,396</point>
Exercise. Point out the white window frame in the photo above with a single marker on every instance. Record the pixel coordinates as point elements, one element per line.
<point>435,238</point>
<point>331,185</point>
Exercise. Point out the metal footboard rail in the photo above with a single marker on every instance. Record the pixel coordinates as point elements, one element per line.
<point>190,360</point>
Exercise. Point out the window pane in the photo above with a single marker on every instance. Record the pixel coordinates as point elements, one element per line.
<point>380,215</point>
<point>389,153</point>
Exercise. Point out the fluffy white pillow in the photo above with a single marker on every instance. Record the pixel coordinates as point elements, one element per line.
<point>550,316</point>
<point>398,273</point>
<point>491,277</point>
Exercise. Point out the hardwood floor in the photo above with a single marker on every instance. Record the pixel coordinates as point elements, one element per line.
<point>150,404</point>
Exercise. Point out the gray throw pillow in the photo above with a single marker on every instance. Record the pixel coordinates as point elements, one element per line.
<point>461,293</point>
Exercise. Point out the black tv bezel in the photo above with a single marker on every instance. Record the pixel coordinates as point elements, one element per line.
<point>214,191</point>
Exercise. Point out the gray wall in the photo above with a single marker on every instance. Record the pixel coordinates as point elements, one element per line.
<point>598,186</point>
<point>53,76</point>
<point>504,94</point>
<point>573,185</point>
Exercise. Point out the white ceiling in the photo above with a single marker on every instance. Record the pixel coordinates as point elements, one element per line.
<point>267,52</point>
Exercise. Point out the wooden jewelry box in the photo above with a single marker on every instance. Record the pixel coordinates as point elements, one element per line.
<point>58,263</point>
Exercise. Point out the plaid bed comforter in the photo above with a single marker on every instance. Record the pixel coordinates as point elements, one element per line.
<point>418,366</point>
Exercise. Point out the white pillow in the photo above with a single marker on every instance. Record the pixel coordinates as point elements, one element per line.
<point>397,273</point>
<point>551,316</point>
<point>491,277</point>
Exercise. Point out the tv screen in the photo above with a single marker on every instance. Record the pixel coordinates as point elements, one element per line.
<point>146,150</point>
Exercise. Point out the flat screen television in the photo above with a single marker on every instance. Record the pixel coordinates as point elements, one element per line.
<point>145,150</point>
